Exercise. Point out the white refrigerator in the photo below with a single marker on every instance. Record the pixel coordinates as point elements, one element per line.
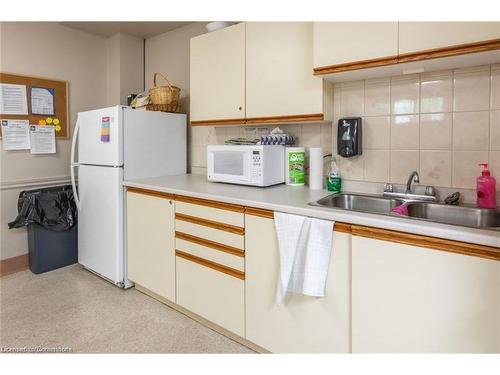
<point>115,144</point>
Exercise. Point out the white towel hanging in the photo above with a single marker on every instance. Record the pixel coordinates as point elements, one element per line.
<point>305,246</point>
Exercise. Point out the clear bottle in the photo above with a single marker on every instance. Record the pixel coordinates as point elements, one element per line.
<point>333,180</point>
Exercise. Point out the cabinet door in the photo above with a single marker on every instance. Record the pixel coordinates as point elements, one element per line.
<point>217,75</point>
<point>279,80</point>
<point>346,42</point>
<point>302,324</point>
<point>150,243</point>
<point>421,36</point>
<point>411,299</point>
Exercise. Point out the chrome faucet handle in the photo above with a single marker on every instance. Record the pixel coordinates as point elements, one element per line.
<point>430,190</point>
<point>388,188</point>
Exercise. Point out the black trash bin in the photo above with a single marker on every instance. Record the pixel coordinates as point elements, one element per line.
<point>51,217</point>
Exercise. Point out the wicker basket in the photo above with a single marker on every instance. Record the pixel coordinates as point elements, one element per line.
<point>164,107</point>
<point>166,96</point>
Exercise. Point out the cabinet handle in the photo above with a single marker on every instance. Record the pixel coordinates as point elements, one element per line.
<point>170,202</point>
<point>240,108</point>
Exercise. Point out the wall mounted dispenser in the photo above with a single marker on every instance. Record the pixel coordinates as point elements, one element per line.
<point>349,140</point>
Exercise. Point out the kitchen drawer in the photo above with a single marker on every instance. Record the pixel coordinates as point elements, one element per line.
<point>213,252</point>
<point>226,214</point>
<point>212,294</point>
<point>226,235</point>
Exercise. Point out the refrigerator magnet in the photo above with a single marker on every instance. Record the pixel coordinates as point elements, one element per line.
<point>105,129</point>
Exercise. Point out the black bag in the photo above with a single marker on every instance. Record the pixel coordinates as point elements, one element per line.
<point>54,208</point>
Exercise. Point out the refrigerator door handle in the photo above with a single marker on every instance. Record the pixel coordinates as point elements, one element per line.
<point>75,164</point>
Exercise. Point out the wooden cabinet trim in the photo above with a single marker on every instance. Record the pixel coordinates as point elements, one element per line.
<point>212,224</point>
<point>211,244</point>
<point>289,118</point>
<point>210,203</point>
<point>342,227</point>
<point>356,65</point>
<point>482,251</point>
<point>459,49</point>
<point>207,263</point>
<point>231,121</point>
<point>308,117</point>
<point>152,193</point>
<point>268,214</point>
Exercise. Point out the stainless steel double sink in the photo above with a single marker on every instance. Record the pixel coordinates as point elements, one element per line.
<point>440,213</point>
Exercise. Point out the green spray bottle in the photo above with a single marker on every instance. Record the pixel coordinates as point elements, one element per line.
<point>333,180</point>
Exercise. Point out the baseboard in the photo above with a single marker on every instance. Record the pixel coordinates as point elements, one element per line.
<point>15,264</point>
<point>203,321</point>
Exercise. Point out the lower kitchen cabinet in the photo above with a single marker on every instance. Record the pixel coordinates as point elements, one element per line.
<point>212,294</point>
<point>302,324</point>
<point>411,299</point>
<point>150,243</point>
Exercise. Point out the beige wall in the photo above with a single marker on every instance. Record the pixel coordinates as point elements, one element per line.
<point>125,67</point>
<point>168,54</point>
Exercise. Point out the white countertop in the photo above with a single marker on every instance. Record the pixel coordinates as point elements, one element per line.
<point>295,199</point>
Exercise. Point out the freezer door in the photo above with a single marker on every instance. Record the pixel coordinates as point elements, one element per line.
<point>154,143</point>
<point>95,149</point>
<point>100,221</point>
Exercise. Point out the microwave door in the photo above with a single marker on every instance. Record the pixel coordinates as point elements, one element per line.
<point>229,166</point>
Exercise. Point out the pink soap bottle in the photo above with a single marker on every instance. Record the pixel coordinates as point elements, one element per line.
<point>486,189</point>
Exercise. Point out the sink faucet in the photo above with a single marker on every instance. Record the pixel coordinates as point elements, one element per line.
<point>430,191</point>
<point>412,178</point>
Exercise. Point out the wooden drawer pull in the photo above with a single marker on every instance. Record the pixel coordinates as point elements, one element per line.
<point>210,203</point>
<point>212,224</point>
<point>211,244</point>
<point>207,263</point>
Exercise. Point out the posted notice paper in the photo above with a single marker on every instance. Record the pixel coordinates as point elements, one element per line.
<point>13,100</point>
<point>15,135</point>
<point>42,101</point>
<point>43,139</point>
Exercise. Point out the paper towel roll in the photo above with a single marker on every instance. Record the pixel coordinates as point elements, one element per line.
<point>315,168</point>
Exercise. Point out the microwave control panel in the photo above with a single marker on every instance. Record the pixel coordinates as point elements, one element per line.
<point>256,166</point>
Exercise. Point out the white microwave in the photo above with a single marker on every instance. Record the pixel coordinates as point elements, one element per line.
<point>246,164</point>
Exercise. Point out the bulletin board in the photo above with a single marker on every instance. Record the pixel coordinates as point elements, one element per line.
<point>59,91</point>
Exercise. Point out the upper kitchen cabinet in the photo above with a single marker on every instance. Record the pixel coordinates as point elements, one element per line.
<point>419,37</point>
<point>337,45</point>
<point>348,51</point>
<point>257,73</point>
<point>279,83</point>
<point>217,76</point>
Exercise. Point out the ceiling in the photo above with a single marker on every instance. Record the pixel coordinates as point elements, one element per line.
<point>138,29</point>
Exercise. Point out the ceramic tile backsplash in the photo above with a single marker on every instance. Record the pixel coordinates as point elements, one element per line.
<point>402,163</point>
<point>435,168</point>
<point>471,89</point>
<point>436,131</point>
<point>495,86</point>
<point>495,130</point>
<point>441,124</point>
<point>405,132</point>
<point>376,132</point>
<point>436,92</point>
<point>377,97</point>
<point>471,130</point>
<point>405,94</point>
